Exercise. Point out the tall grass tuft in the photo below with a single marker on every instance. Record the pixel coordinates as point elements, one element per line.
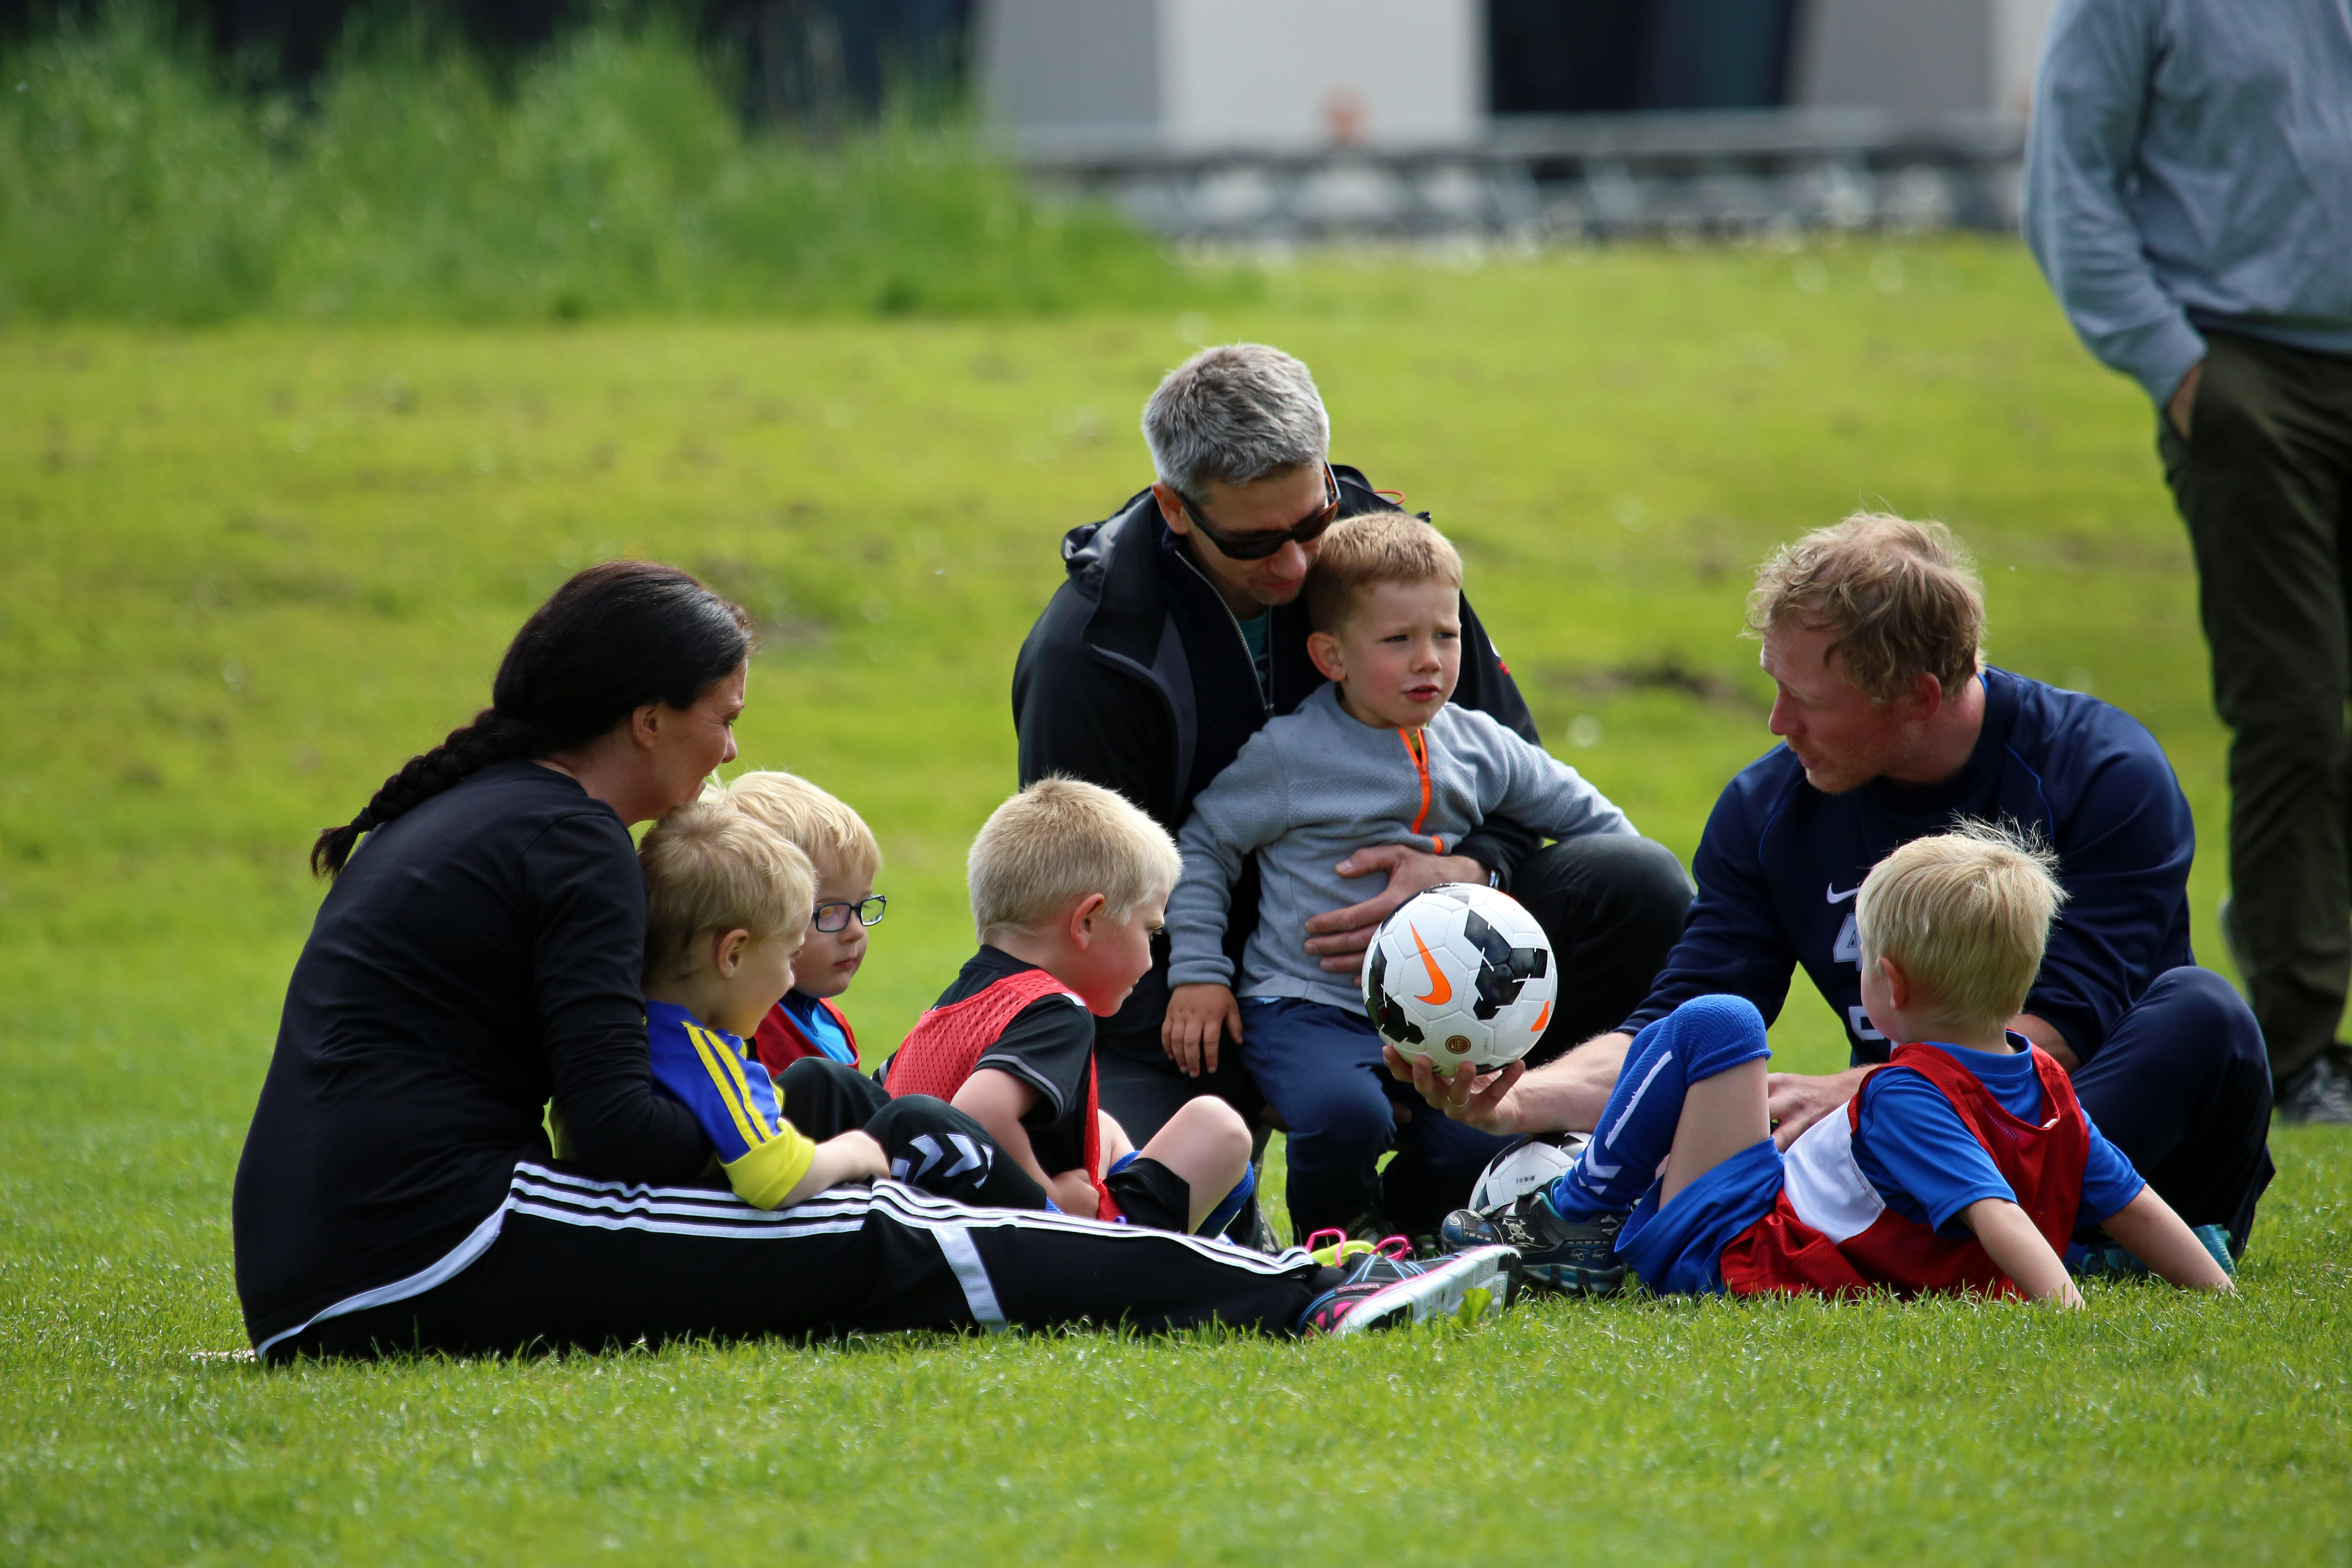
<point>609,177</point>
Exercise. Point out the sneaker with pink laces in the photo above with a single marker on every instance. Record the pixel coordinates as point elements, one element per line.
<point>1382,1288</point>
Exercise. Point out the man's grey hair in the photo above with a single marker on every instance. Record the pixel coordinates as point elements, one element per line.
<point>1236,415</point>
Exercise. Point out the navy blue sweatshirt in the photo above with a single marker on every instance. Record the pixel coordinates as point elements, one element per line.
<point>1778,865</point>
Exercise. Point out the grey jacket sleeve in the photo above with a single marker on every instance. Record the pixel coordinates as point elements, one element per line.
<point>2089,102</point>
<point>1244,808</point>
<point>1534,787</point>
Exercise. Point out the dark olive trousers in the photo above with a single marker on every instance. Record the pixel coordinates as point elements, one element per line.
<point>2265,483</point>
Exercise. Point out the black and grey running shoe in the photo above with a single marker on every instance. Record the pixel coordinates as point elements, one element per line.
<point>1578,1257</point>
<point>2320,1096</point>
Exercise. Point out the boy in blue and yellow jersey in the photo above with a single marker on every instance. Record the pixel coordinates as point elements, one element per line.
<point>845,856</point>
<point>725,902</point>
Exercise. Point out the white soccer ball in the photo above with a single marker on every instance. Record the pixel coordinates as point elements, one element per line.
<point>1531,1163</point>
<point>1460,974</point>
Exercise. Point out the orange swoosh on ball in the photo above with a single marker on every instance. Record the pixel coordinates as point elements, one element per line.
<point>1541,1019</point>
<point>1441,991</point>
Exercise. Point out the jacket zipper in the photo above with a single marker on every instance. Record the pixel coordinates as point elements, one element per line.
<point>1416,746</point>
<point>1265,698</point>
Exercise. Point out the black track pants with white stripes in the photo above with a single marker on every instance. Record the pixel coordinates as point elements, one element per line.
<point>571,1261</point>
<point>930,1143</point>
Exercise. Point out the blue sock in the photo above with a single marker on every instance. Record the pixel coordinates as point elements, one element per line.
<point>1704,1036</point>
<point>1231,1205</point>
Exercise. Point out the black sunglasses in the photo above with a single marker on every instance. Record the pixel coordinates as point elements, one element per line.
<point>1258,546</point>
<point>836,917</point>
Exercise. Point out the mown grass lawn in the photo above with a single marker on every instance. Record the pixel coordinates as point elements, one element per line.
<point>249,573</point>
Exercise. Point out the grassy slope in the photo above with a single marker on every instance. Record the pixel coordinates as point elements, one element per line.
<point>249,573</point>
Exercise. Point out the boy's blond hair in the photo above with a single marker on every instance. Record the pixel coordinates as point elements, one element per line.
<point>1060,840</point>
<point>710,866</point>
<point>827,831</point>
<point>1903,599</point>
<point>1362,552</point>
<point>1966,913</point>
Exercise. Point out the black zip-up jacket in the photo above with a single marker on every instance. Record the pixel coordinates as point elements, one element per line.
<point>1136,678</point>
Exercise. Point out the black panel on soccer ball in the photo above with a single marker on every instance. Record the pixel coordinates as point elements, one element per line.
<point>1376,971</point>
<point>1381,1008</point>
<point>1498,981</point>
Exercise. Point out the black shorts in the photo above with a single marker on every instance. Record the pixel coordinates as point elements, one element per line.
<point>1148,1194</point>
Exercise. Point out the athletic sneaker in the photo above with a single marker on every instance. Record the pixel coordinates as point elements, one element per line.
<point>1333,1247</point>
<point>2320,1095</point>
<point>1578,1257</point>
<point>2113,1260</point>
<point>1381,1291</point>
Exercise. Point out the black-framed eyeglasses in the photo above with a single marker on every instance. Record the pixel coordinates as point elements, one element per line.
<point>1258,546</point>
<point>836,917</point>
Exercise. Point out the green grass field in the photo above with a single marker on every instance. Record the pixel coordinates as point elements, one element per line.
<point>250,571</point>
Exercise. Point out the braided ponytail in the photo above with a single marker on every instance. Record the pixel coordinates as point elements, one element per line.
<point>487,742</point>
<point>611,640</point>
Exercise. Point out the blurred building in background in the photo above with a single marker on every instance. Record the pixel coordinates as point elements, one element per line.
<point>1281,118</point>
<point>1277,119</point>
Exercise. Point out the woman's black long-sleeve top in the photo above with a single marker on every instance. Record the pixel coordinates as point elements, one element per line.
<point>479,956</point>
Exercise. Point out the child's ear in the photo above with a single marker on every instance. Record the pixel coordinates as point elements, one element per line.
<point>727,951</point>
<point>1324,649</point>
<point>1081,923</point>
<point>1898,985</point>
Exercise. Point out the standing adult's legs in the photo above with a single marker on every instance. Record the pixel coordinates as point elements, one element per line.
<point>2181,1088</point>
<point>2265,483</point>
<point>1612,905</point>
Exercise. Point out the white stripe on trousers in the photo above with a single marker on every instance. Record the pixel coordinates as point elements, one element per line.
<point>566,1197</point>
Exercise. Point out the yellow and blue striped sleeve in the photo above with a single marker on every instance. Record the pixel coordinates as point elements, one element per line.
<point>729,1092</point>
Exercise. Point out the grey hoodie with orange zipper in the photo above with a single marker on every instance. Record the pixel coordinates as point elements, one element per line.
<point>1315,786</point>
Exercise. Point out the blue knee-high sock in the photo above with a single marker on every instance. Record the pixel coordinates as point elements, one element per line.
<point>1231,1205</point>
<point>1704,1036</point>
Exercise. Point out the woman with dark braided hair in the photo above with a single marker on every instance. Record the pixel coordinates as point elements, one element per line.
<point>477,957</point>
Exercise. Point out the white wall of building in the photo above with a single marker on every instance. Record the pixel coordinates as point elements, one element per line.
<point>1301,74</point>
<point>1921,60</point>
<point>1273,75</point>
<point>2018,29</point>
<point>1072,68</point>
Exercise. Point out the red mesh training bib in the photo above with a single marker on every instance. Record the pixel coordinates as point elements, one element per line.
<point>1790,1249</point>
<point>946,1042</point>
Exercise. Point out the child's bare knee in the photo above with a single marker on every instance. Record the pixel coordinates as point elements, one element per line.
<point>1215,1127</point>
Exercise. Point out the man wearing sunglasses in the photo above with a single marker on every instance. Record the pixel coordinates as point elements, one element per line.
<point>1179,632</point>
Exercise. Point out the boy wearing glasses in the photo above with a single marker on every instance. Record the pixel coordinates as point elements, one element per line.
<point>808,1022</point>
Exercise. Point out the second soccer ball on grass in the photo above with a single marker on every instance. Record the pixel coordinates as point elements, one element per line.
<point>1460,974</point>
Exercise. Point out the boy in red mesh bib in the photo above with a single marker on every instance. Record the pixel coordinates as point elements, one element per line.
<point>1963,1165</point>
<point>1069,882</point>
